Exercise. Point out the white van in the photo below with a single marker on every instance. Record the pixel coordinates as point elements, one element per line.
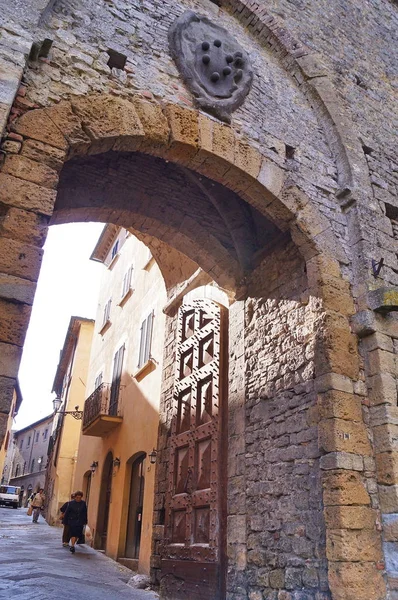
<point>9,495</point>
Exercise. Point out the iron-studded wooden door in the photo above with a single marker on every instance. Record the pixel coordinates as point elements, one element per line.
<point>193,559</point>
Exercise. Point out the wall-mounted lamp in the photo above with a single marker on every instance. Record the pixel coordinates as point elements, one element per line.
<point>93,466</point>
<point>76,414</point>
<point>152,456</point>
<point>116,462</point>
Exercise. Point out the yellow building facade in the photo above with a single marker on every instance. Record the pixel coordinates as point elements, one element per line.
<point>120,423</point>
<point>6,447</point>
<point>70,388</point>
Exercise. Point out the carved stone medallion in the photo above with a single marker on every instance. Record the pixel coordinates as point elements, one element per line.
<point>213,65</point>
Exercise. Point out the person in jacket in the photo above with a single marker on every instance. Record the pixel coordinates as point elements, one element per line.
<point>65,532</point>
<point>75,517</point>
<point>37,504</point>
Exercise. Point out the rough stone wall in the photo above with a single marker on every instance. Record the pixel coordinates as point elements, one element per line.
<point>327,150</point>
<point>285,526</point>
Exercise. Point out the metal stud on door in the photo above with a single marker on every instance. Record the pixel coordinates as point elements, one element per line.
<point>193,557</point>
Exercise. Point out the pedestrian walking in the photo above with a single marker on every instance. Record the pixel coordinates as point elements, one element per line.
<point>65,532</point>
<point>37,504</point>
<point>75,518</point>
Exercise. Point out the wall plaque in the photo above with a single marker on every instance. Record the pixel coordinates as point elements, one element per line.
<point>213,65</point>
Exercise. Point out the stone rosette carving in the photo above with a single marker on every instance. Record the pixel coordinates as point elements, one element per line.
<point>213,65</point>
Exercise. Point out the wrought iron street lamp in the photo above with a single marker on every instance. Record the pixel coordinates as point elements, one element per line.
<point>76,414</point>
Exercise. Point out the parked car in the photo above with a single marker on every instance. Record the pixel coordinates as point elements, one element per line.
<point>9,495</point>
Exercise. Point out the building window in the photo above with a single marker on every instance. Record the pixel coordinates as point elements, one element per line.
<point>115,249</point>
<point>37,436</point>
<point>32,465</point>
<point>29,438</point>
<point>107,313</point>
<point>116,379</point>
<point>21,444</point>
<point>126,287</point>
<point>98,381</point>
<point>17,471</point>
<point>146,340</point>
<point>45,434</point>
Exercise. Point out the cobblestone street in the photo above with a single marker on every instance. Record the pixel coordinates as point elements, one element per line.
<point>33,564</point>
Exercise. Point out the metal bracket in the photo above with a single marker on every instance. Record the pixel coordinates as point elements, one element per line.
<point>377,266</point>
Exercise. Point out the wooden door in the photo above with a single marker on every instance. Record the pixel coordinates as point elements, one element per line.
<point>136,505</point>
<point>104,503</point>
<point>193,559</point>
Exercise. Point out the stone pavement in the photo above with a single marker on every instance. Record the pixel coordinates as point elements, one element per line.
<point>33,564</point>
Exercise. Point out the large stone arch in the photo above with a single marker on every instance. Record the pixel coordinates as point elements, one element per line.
<point>97,124</point>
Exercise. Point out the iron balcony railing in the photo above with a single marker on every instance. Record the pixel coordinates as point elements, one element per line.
<point>105,400</point>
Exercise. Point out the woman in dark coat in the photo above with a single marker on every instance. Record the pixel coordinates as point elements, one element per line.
<point>75,517</point>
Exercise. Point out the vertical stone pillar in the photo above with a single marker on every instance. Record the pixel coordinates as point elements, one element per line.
<point>236,508</point>
<point>28,180</point>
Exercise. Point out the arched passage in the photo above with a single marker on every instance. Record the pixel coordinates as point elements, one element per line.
<point>228,208</point>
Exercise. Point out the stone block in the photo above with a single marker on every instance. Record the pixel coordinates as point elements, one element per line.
<point>110,119</point>
<point>386,438</point>
<point>17,289</point>
<point>337,351</point>
<point>223,142</point>
<point>26,195</point>
<point>383,414</point>
<point>65,118</point>
<point>388,496</point>
<point>384,300</point>
<point>29,170</point>
<point>7,386</point>
<point>37,125</point>
<point>154,122</point>
<point>277,579</point>
<point>339,435</point>
<point>390,527</point>
<point>25,226</point>
<point>349,517</point>
<point>344,488</point>
<point>353,545</point>
<point>11,147</point>
<point>342,460</point>
<point>14,321</point>
<point>381,361</point>
<point>334,381</point>
<point>236,529</point>
<point>184,128</point>
<point>43,153</point>
<point>387,468</point>
<point>391,560</point>
<point>356,581</point>
<point>378,341</point>
<point>382,389</point>
<point>20,259</point>
<point>247,158</point>
<point>272,178</point>
<point>10,357</point>
<point>340,405</point>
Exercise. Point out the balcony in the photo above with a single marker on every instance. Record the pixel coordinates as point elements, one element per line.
<point>102,411</point>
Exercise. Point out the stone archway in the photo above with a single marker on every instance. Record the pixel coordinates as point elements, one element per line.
<point>96,125</point>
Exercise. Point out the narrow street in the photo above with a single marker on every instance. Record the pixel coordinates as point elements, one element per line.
<point>33,564</point>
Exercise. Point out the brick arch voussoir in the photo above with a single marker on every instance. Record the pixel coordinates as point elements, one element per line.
<point>101,122</point>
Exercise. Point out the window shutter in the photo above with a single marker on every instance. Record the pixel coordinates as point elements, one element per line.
<point>148,337</point>
<point>142,344</point>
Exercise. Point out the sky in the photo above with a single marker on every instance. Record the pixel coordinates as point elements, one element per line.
<point>68,285</point>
